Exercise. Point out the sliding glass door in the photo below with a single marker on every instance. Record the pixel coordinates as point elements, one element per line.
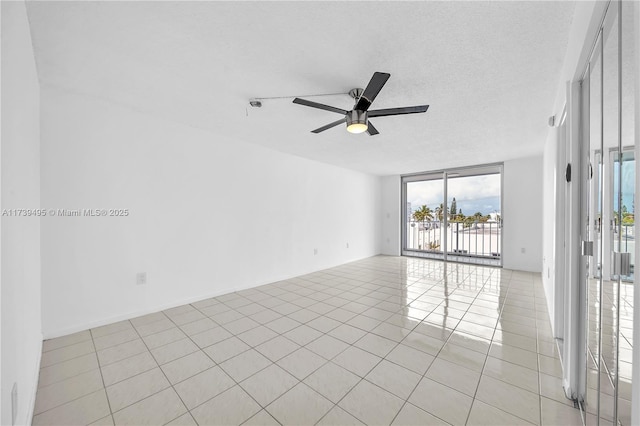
<point>454,215</point>
<point>609,114</point>
<point>424,217</point>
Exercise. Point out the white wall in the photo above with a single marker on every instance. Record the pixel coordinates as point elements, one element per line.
<point>20,153</point>
<point>391,210</point>
<point>584,27</point>
<point>549,174</point>
<point>522,214</point>
<point>208,215</point>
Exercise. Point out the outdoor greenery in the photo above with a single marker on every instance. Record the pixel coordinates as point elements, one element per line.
<point>425,214</point>
<point>428,219</point>
<point>627,217</point>
<point>454,206</point>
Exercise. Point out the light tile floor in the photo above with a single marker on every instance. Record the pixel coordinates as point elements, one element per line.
<point>385,340</point>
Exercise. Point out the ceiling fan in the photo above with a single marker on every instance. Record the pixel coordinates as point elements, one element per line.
<point>358,118</point>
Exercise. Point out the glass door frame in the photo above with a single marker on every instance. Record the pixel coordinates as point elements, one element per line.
<point>445,174</point>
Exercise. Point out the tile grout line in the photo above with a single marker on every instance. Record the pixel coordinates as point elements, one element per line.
<point>538,373</point>
<point>536,352</point>
<point>165,376</point>
<point>501,308</point>
<point>102,378</point>
<point>95,352</point>
<point>406,400</point>
<point>66,346</point>
<point>231,377</point>
<point>72,377</point>
<point>336,404</point>
<point>304,346</point>
<point>436,357</point>
<point>374,302</point>
<point>133,327</point>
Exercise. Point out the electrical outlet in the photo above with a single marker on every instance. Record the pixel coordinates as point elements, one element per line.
<point>315,251</point>
<point>347,245</point>
<point>141,278</point>
<point>522,250</point>
<point>14,403</point>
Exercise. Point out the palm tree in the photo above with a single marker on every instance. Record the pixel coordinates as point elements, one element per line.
<point>440,211</point>
<point>423,214</point>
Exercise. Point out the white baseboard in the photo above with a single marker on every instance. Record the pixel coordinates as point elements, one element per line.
<point>133,314</point>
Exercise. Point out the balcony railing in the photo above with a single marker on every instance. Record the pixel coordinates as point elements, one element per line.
<point>622,240</point>
<point>475,239</point>
<point>628,238</point>
<point>628,241</point>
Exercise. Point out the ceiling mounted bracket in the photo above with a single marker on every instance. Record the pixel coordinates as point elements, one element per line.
<point>257,102</point>
<point>356,93</point>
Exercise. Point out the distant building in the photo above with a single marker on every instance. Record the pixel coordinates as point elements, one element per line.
<point>409,212</point>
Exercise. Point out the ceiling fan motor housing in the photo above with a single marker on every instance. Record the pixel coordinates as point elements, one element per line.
<point>356,117</point>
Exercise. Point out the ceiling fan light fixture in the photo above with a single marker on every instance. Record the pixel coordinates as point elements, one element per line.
<point>357,121</point>
<point>357,128</point>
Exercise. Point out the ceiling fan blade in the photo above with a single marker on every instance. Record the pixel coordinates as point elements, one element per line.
<point>372,130</point>
<point>373,88</point>
<point>319,106</point>
<point>398,111</point>
<point>328,126</point>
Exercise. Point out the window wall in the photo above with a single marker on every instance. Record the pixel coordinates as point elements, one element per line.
<point>454,214</point>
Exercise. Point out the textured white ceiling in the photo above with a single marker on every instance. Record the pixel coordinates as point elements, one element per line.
<point>488,69</point>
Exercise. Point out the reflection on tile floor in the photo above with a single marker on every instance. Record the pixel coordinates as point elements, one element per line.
<point>617,348</point>
<point>385,340</point>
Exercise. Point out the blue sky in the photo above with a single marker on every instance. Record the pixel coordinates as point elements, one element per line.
<point>628,184</point>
